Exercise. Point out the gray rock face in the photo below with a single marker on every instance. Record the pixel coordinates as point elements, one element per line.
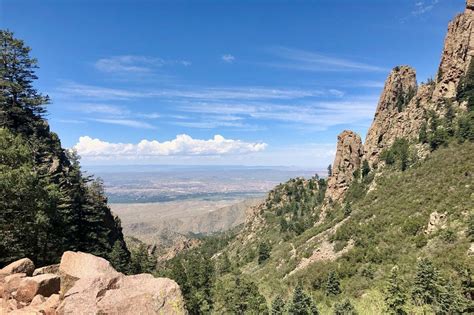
<point>403,106</point>
<point>457,53</point>
<point>348,159</point>
<point>400,88</point>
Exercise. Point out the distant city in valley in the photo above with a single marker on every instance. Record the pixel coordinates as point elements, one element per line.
<point>155,183</point>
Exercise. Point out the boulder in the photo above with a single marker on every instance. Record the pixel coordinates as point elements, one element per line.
<point>119,294</point>
<point>46,285</point>
<point>54,269</point>
<point>143,294</point>
<point>47,307</point>
<point>24,265</point>
<point>37,300</point>
<point>437,221</point>
<point>85,292</point>
<point>50,305</point>
<point>12,282</point>
<point>78,265</point>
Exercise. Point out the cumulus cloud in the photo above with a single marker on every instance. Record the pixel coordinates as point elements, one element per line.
<point>228,58</point>
<point>182,145</point>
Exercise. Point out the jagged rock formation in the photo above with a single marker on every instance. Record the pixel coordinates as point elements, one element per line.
<point>404,106</point>
<point>400,87</point>
<point>85,282</point>
<point>457,53</point>
<point>348,159</point>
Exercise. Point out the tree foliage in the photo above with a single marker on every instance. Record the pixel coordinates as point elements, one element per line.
<point>48,205</point>
<point>301,303</point>
<point>395,296</point>
<point>344,308</point>
<point>332,284</point>
<point>278,306</point>
<point>264,250</point>
<point>397,154</point>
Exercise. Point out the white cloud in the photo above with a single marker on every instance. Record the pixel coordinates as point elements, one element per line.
<point>125,122</point>
<point>422,7</point>
<point>134,64</point>
<point>137,64</point>
<point>228,58</point>
<point>315,115</point>
<point>91,108</point>
<point>182,145</point>
<point>74,90</point>
<point>297,59</point>
<point>90,92</point>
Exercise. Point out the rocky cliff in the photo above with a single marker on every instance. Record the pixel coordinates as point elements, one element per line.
<point>349,154</point>
<point>457,53</point>
<point>404,106</point>
<point>389,121</point>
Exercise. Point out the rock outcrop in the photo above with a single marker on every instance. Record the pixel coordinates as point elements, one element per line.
<point>404,106</point>
<point>457,53</point>
<point>388,124</point>
<point>349,154</point>
<point>112,294</point>
<point>85,283</point>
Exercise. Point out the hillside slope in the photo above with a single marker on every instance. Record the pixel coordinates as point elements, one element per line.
<point>426,211</point>
<point>391,230</point>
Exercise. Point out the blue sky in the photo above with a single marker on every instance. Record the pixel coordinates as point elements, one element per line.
<point>221,82</point>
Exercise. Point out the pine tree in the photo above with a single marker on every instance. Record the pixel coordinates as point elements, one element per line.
<point>332,284</point>
<point>425,287</point>
<point>365,168</point>
<point>329,170</point>
<point>21,105</point>
<point>225,264</point>
<point>347,209</point>
<point>344,308</point>
<point>49,206</point>
<point>278,306</point>
<point>263,252</point>
<point>423,135</point>
<point>141,260</point>
<point>449,300</point>
<point>119,257</point>
<point>466,87</point>
<point>301,303</point>
<point>395,297</point>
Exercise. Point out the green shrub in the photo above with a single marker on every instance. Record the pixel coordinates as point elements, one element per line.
<point>344,308</point>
